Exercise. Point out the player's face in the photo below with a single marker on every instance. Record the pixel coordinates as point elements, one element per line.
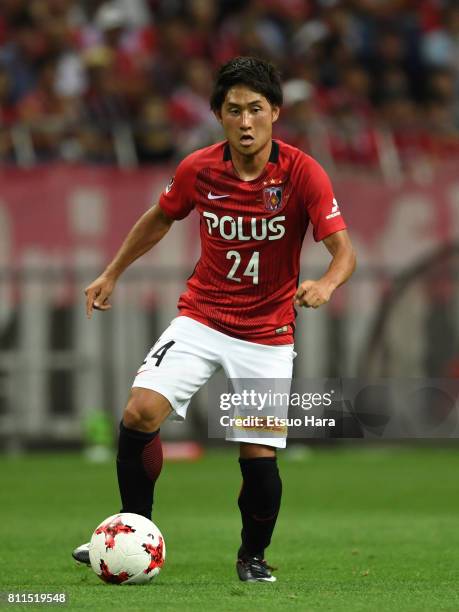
<point>247,119</point>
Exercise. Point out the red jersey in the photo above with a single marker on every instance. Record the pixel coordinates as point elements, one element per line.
<point>251,236</point>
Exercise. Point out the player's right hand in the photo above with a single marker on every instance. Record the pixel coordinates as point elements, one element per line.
<point>98,293</point>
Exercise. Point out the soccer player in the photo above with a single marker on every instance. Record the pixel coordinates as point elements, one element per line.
<point>255,197</point>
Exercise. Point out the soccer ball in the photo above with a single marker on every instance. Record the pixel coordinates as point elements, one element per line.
<point>127,548</point>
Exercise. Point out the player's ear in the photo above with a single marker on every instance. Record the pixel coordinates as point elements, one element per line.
<point>218,115</point>
<point>275,111</point>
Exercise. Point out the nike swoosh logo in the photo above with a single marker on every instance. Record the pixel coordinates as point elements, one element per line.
<point>211,196</point>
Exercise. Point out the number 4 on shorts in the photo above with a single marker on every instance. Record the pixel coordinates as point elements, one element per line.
<point>160,353</point>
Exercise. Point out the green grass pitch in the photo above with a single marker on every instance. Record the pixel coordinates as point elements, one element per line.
<point>359,530</point>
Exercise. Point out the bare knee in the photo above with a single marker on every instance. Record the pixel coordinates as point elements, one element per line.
<point>252,451</point>
<point>145,410</point>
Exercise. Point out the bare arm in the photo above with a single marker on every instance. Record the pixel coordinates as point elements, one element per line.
<point>314,293</point>
<point>148,231</point>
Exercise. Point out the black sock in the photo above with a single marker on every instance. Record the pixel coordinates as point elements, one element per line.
<point>259,503</point>
<point>138,464</point>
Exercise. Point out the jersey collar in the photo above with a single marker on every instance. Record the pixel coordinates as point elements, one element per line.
<point>273,157</point>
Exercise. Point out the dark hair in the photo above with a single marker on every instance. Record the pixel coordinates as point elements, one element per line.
<point>257,74</point>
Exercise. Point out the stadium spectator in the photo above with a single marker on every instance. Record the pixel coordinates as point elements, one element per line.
<point>155,136</point>
<point>189,108</point>
<point>24,49</point>
<point>8,111</point>
<point>300,114</point>
<point>8,114</point>
<point>47,114</point>
<point>104,106</point>
<point>441,46</point>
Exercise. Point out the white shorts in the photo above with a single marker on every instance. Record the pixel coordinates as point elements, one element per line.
<point>188,353</point>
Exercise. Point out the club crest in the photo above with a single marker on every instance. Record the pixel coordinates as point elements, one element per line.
<point>272,197</point>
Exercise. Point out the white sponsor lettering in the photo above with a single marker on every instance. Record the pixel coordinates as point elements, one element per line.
<point>212,221</point>
<point>228,228</point>
<point>264,229</point>
<point>243,228</point>
<point>275,225</point>
<point>240,229</point>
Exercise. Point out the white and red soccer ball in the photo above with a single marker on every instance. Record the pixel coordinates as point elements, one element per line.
<point>127,549</point>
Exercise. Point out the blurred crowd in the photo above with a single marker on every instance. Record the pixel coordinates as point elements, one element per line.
<point>128,81</point>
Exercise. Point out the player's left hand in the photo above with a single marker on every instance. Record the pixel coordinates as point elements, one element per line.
<point>312,294</point>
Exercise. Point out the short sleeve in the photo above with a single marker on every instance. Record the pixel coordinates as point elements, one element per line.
<point>321,204</point>
<point>177,198</point>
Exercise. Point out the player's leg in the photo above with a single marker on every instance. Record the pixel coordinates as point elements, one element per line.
<point>140,456</point>
<point>260,495</point>
<point>179,364</point>
<point>259,502</point>
<point>259,498</point>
